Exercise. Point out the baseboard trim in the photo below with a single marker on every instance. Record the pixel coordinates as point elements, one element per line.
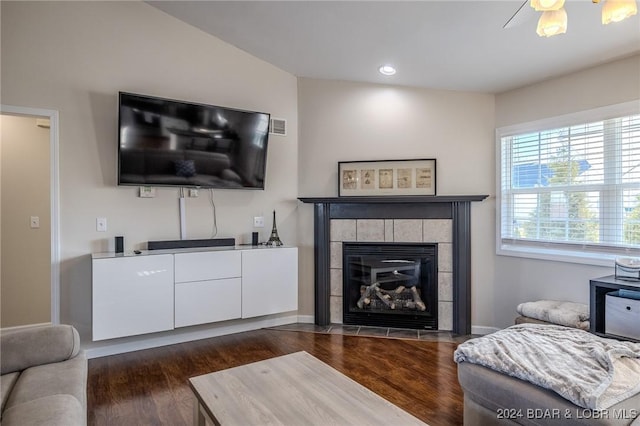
<point>483,330</point>
<point>22,327</point>
<point>306,319</point>
<point>130,344</point>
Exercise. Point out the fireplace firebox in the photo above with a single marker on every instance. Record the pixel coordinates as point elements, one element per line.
<point>390,284</point>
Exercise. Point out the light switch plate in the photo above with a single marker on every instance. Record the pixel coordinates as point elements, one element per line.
<point>101,224</point>
<point>34,222</point>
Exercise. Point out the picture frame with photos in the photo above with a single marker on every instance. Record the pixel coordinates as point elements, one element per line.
<point>387,177</point>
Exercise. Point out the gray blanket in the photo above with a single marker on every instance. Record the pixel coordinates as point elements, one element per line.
<point>590,371</point>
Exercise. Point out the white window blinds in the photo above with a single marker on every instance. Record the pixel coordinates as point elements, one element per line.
<point>573,188</point>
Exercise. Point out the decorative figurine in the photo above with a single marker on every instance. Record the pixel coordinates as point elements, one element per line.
<point>274,239</point>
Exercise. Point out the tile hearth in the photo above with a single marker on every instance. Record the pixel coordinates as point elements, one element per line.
<point>391,333</point>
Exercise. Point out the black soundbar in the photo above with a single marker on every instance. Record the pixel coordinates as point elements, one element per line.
<point>176,244</point>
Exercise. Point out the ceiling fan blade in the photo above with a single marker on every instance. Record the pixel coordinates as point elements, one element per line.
<point>522,15</point>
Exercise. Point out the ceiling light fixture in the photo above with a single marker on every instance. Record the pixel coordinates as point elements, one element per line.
<point>387,70</point>
<point>554,18</point>
<point>617,10</point>
<point>545,5</point>
<point>552,22</point>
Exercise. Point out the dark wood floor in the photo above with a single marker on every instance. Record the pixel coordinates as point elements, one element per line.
<point>150,387</point>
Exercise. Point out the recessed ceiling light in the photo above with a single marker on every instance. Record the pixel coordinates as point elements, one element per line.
<point>387,70</point>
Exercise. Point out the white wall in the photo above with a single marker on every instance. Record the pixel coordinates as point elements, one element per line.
<point>74,57</point>
<point>608,84</point>
<point>26,252</point>
<point>518,280</point>
<point>342,121</point>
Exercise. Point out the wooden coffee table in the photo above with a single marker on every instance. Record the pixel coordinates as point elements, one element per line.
<point>295,389</point>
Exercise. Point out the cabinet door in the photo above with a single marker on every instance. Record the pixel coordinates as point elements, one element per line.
<point>269,281</point>
<point>201,302</point>
<point>132,295</point>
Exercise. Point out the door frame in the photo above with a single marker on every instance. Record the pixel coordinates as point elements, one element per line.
<point>52,115</point>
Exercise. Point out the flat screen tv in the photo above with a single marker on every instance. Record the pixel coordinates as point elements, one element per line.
<point>164,142</point>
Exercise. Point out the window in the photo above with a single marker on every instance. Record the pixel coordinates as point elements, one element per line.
<point>570,192</point>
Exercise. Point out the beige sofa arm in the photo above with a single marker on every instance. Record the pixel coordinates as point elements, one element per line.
<point>29,347</point>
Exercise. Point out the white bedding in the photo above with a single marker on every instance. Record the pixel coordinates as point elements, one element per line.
<point>589,371</point>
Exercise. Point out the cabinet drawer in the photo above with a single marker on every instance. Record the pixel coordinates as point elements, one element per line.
<point>622,316</point>
<point>207,266</point>
<point>207,301</point>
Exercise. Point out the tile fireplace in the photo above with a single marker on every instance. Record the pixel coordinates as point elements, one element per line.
<point>386,219</point>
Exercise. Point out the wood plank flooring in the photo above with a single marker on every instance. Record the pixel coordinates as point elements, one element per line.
<point>150,387</point>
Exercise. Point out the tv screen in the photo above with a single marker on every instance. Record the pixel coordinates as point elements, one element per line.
<point>164,142</point>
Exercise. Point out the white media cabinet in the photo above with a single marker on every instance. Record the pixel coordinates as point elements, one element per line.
<point>161,290</point>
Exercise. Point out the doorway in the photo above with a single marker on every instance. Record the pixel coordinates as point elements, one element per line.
<point>29,249</point>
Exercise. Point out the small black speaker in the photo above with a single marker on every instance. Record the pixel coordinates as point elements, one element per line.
<point>119,244</point>
<point>254,238</point>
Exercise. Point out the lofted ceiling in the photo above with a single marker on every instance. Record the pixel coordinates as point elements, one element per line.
<point>453,45</point>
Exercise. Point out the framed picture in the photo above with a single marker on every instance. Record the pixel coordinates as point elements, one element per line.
<point>387,177</point>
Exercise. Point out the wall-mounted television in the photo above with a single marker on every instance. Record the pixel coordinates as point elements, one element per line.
<point>164,142</point>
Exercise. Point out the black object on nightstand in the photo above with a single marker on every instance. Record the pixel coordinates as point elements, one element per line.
<point>599,287</point>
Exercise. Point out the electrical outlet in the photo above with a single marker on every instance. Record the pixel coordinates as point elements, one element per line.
<point>101,224</point>
<point>258,222</point>
<point>147,192</point>
<point>193,192</point>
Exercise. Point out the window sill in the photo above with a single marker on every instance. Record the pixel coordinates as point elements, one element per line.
<point>554,255</point>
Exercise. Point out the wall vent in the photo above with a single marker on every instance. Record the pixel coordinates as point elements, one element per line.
<point>278,126</point>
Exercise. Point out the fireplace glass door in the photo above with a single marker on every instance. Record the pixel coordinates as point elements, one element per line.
<point>390,285</point>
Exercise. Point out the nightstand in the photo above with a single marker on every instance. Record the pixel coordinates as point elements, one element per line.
<point>598,291</point>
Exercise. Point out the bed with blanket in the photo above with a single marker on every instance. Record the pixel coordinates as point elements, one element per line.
<point>546,374</point>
